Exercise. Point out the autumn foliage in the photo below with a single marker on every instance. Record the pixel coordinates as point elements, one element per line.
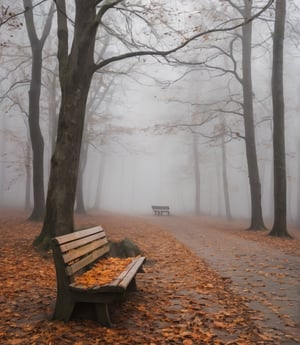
<point>180,300</point>
<point>104,272</point>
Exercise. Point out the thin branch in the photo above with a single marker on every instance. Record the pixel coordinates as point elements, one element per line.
<point>22,12</point>
<point>105,7</point>
<point>48,24</point>
<point>30,22</point>
<point>184,44</point>
<point>12,87</point>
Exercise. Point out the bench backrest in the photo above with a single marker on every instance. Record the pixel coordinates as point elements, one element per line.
<point>76,252</point>
<point>160,207</point>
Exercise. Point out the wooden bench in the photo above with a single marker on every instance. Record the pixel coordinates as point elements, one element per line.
<point>160,210</point>
<point>76,253</point>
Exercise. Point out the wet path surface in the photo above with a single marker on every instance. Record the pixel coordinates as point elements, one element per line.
<point>268,277</point>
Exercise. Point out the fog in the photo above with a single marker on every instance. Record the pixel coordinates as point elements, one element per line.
<point>140,137</point>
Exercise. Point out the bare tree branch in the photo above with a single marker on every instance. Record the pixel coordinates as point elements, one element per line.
<point>48,25</point>
<point>21,12</point>
<point>105,7</point>
<point>184,44</point>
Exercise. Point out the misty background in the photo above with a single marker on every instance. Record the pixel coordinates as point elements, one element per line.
<point>145,117</point>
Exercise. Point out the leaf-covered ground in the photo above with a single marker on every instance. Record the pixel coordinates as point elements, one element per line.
<point>180,300</point>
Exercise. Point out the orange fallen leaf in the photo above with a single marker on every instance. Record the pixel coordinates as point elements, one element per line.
<point>103,272</point>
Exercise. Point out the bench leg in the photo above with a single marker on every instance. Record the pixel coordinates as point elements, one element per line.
<point>103,314</point>
<point>132,285</point>
<point>64,307</point>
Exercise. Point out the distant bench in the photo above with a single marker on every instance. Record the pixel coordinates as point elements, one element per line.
<point>76,253</point>
<point>160,210</point>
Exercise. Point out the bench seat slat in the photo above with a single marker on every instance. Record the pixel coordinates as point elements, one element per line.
<point>81,241</point>
<point>130,272</point>
<point>120,283</point>
<point>79,234</point>
<point>83,250</point>
<point>72,269</point>
<point>98,289</point>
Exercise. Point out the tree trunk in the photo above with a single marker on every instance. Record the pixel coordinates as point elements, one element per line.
<point>65,162</point>
<point>80,207</point>
<point>76,71</point>
<point>257,222</point>
<point>280,212</point>
<point>28,177</point>
<point>196,175</point>
<point>37,141</point>
<point>298,189</point>
<point>225,179</point>
<point>52,109</point>
<point>3,142</point>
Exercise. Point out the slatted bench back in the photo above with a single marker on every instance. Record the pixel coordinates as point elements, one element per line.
<point>77,251</point>
<point>167,208</point>
<point>159,210</point>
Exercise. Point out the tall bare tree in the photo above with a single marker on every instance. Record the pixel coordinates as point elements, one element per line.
<point>279,228</point>
<point>37,141</point>
<point>257,222</point>
<point>245,80</point>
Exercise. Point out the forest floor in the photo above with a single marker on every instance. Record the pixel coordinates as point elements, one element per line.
<point>181,299</point>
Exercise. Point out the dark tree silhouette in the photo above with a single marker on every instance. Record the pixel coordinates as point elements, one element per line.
<point>280,208</point>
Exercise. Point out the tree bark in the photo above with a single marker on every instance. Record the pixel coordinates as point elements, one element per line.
<point>257,222</point>
<point>279,228</point>
<point>196,175</point>
<point>28,177</point>
<point>37,141</point>
<point>3,143</point>
<point>65,160</point>
<point>298,189</point>
<point>76,71</point>
<point>225,178</point>
<point>52,109</point>
<point>80,205</point>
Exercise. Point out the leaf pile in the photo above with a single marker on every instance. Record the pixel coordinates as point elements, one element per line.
<point>180,300</point>
<point>104,272</point>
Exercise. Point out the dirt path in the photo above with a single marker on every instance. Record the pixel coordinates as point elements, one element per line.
<point>266,275</point>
